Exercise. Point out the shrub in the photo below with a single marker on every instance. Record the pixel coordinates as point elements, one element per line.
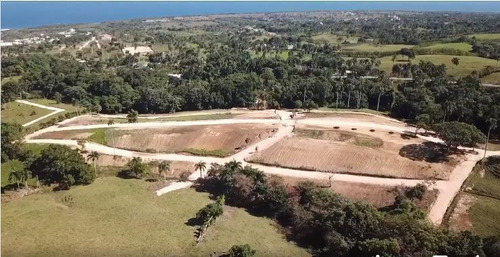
<point>354,129</point>
<point>416,192</point>
<point>241,251</point>
<point>391,132</point>
<point>372,130</point>
<point>336,127</point>
<point>184,176</point>
<point>33,113</point>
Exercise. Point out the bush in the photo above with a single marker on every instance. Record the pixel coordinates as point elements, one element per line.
<point>416,192</point>
<point>391,132</point>
<point>241,251</point>
<point>354,129</point>
<point>33,113</point>
<point>336,127</point>
<point>372,130</point>
<point>184,176</point>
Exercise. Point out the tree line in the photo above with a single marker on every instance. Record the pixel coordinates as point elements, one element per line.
<point>331,225</point>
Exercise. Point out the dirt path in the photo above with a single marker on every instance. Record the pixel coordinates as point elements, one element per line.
<point>447,189</point>
<point>54,109</point>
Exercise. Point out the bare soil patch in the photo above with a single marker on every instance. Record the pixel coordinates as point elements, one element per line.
<point>459,219</point>
<point>218,139</point>
<point>350,152</point>
<point>265,114</point>
<point>348,117</point>
<point>379,196</point>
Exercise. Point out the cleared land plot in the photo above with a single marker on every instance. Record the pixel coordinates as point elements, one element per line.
<point>467,64</point>
<point>218,140</point>
<point>486,36</point>
<point>349,116</point>
<point>355,153</point>
<point>91,120</point>
<point>184,116</point>
<point>478,208</point>
<point>117,217</point>
<point>139,49</point>
<point>15,112</point>
<point>375,48</point>
<point>377,195</point>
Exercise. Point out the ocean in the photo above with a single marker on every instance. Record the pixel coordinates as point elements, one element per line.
<point>16,15</point>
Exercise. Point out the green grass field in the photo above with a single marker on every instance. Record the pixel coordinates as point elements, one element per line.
<point>484,183</point>
<point>484,216</point>
<point>53,103</point>
<point>333,39</point>
<point>12,165</point>
<point>117,217</point>
<point>21,113</point>
<point>485,188</point>
<point>375,48</point>
<point>8,167</point>
<point>11,79</point>
<point>493,78</point>
<point>160,48</point>
<point>466,47</point>
<point>486,36</point>
<point>467,64</point>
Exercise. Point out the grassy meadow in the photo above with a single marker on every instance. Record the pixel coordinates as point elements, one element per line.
<point>118,217</point>
<point>14,112</point>
<point>484,186</point>
<point>466,66</point>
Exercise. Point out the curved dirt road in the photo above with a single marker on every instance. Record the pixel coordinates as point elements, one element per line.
<point>447,189</point>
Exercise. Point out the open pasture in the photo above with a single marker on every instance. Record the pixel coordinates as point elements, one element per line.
<point>15,112</point>
<point>466,66</point>
<point>122,217</point>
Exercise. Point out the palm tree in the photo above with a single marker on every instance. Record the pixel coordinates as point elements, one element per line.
<point>111,122</point>
<point>493,125</point>
<point>93,156</point>
<point>15,176</point>
<point>201,166</point>
<point>81,142</point>
<point>163,167</point>
<point>20,176</point>
<point>233,165</point>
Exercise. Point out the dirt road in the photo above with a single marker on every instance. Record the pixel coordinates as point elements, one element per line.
<point>447,189</point>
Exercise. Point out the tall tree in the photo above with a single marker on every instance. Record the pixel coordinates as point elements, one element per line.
<point>493,125</point>
<point>93,157</point>
<point>62,165</point>
<point>201,166</point>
